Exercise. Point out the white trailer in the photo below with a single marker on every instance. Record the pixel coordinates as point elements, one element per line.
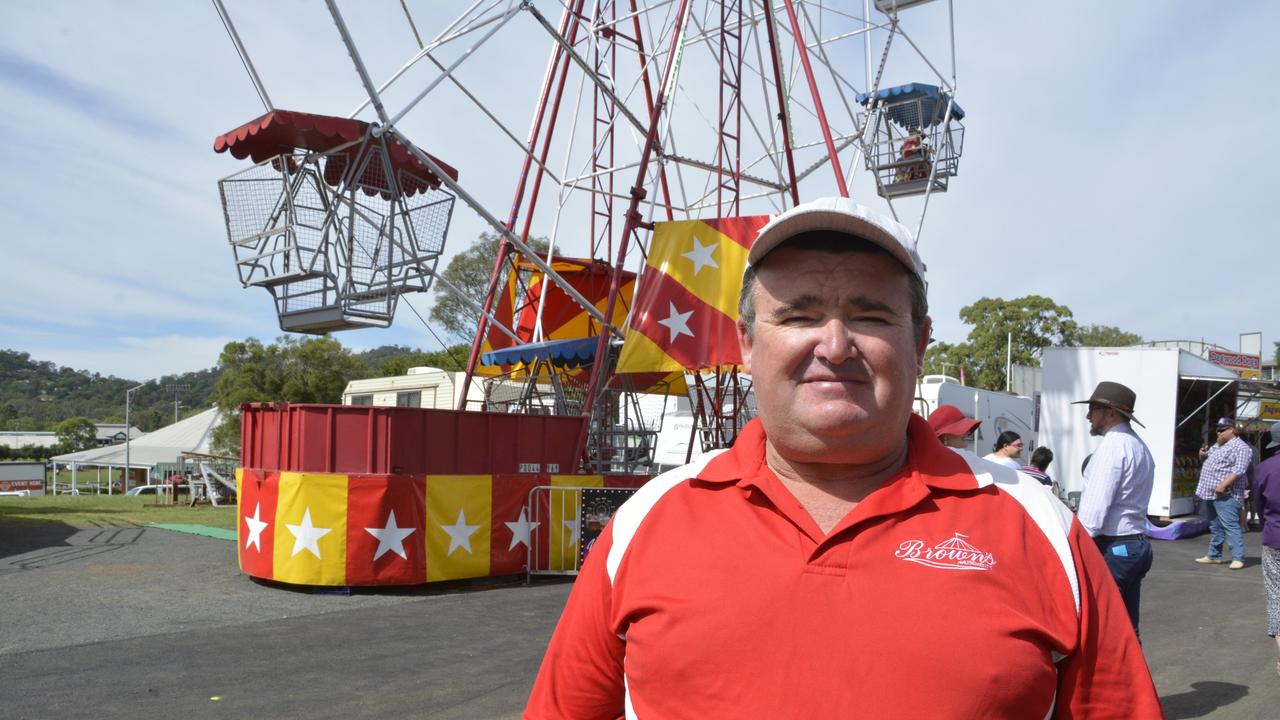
<point>1179,397</point>
<point>998,411</point>
<point>423,387</point>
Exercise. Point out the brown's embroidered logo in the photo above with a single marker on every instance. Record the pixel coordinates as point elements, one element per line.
<point>951,554</point>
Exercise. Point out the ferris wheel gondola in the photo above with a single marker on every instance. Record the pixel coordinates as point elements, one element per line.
<point>915,139</point>
<point>334,220</point>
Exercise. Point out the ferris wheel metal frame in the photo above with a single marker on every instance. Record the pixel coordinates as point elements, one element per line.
<point>783,114</point>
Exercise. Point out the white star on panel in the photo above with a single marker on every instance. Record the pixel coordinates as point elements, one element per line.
<point>306,535</point>
<point>677,323</point>
<point>256,526</point>
<point>574,529</point>
<point>521,530</point>
<point>701,255</point>
<point>460,533</point>
<point>390,538</point>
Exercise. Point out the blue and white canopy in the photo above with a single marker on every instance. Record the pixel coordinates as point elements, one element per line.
<point>929,110</point>
<point>570,353</point>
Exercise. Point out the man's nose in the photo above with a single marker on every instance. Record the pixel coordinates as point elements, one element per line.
<point>835,343</point>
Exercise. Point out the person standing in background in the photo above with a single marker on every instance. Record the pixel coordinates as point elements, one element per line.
<point>1221,488</point>
<point>1007,451</point>
<point>1266,500</point>
<point>952,427</point>
<point>1118,479</point>
<point>1039,467</point>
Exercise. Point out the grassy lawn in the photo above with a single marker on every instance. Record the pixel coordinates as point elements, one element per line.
<point>113,510</point>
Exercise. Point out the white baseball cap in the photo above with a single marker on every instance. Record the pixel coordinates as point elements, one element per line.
<point>842,215</point>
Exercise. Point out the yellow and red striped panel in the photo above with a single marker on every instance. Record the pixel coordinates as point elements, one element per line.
<point>335,530</point>
<point>689,287</point>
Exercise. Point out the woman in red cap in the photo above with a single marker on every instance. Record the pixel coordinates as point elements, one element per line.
<point>952,427</point>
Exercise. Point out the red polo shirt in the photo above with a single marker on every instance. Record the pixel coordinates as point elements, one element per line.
<point>958,589</point>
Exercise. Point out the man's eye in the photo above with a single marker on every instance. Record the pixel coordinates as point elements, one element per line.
<point>871,320</point>
<point>795,320</point>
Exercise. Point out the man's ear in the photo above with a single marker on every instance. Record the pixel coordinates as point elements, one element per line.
<point>922,344</point>
<point>744,345</point>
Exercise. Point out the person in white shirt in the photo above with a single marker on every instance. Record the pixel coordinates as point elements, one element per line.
<point>1008,450</point>
<point>1117,488</point>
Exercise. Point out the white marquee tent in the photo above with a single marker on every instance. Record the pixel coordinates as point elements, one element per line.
<point>164,446</point>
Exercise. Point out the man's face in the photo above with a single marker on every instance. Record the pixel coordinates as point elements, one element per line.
<point>1225,435</point>
<point>1097,417</point>
<point>955,441</point>
<point>833,355</point>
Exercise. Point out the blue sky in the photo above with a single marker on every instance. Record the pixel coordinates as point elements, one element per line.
<point>1116,160</point>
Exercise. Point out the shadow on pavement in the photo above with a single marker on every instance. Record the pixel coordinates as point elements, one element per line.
<point>22,538</point>
<point>38,545</point>
<point>1203,698</point>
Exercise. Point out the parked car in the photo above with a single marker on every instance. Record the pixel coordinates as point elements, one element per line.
<point>153,489</point>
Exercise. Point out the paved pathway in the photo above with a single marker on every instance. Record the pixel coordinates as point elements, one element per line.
<point>111,622</point>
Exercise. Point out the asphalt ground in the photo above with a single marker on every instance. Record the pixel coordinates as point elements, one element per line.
<point>126,622</point>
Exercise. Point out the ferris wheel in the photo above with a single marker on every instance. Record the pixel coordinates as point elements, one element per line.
<point>662,135</point>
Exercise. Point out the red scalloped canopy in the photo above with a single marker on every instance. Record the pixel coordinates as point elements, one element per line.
<point>282,131</point>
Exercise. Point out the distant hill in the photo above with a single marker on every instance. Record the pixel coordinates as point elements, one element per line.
<point>36,395</point>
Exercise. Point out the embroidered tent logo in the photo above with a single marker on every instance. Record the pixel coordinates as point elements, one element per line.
<point>951,554</point>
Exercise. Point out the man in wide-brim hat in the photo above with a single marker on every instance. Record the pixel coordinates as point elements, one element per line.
<point>1117,489</point>
<point>1114,396</point>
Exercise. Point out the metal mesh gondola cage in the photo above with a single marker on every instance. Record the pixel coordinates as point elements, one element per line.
<point>335,220</point>
<point>914,139</point>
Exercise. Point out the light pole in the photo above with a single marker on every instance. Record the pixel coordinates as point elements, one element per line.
<point>128,433</point>
<point>175,388</point>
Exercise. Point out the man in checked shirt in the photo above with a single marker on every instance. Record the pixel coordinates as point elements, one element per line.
<point>1221,487</point>
<point>1117,488</point>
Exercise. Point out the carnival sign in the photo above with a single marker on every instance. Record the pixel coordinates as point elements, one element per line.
<point>1247,366</point>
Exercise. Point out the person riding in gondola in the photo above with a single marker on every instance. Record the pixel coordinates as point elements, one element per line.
<point>913,148</point>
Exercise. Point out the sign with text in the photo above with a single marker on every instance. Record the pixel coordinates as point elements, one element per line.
<point>1249,366</point>
<point>34,487</point>
<point>1269,410</point>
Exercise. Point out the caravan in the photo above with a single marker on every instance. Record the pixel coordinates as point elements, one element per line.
<point>998,411</point>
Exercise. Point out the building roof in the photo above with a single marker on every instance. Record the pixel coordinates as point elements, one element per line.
<point>162,446</point>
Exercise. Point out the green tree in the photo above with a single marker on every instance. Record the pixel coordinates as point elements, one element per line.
<point>76,433</point>
<point>469,271</point>
<point>312,370</point>
<point>947,359</point>
<point>1035,322</point>
<point>451,358</point>
<point>1276,360</point>
<point>1106,336</point>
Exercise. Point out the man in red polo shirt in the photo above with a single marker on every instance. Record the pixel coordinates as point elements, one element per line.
<point>838,561</point>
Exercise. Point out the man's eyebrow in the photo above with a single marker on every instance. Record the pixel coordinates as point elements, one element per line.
<point>857,302</point>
